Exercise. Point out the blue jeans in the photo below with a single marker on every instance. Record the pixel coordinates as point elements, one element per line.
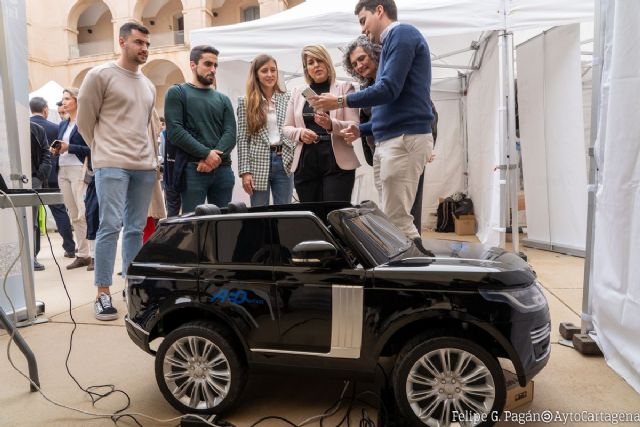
<point>280,185</point>
<point>123,197</point>
<point>216,187</point>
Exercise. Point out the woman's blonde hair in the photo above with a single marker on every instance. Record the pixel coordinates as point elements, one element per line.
<point>256,103</point>
<point>321,54</point>
<point>73,91</point>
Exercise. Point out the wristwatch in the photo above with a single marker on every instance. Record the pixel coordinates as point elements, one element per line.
<point>340,101</point>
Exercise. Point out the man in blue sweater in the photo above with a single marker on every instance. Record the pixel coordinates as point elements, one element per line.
<point>401,114</point>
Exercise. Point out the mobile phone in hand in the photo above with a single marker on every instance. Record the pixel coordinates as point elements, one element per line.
<point>56,144</point>
<point>308,93</point>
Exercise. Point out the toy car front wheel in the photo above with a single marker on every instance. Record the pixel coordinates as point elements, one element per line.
<point>198,370</point>
<point>448,381</point>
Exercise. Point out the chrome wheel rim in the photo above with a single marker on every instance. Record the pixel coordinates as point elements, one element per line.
<point>196,372</point>
<point>450,380</point>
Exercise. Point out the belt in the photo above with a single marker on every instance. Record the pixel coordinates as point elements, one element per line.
<point>276,149</point>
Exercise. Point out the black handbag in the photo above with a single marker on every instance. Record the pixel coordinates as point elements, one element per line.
<point>464,207</point>
<point>445,216</point>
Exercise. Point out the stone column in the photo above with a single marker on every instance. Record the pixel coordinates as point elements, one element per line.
<point>271,7</point>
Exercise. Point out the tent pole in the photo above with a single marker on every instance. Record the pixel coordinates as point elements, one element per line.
<point>507,136</point>
<point>586,324</point>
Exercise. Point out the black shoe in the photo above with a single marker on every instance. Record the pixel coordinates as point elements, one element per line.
<point>71,254</point>
<point>37,266</point>
<point>103,308</point>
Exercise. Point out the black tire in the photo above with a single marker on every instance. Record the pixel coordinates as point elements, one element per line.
<point>195,388</point>
<point>437,399</point>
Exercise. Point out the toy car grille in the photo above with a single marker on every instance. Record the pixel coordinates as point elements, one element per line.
<point>541,340</point>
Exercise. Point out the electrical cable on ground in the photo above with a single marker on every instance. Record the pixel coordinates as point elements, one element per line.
<point>96,396</point>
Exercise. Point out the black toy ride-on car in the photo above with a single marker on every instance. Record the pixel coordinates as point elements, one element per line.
<point>333,288</point>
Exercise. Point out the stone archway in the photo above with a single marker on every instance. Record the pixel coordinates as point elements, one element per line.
<point>77,81</point>
<point>163,74</point>
<point>164,19</point>
<point>90,29</point>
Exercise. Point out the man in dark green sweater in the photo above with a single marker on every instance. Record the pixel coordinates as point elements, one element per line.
<point>201,124</point>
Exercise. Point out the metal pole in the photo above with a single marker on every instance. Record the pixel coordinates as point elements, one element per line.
<point>505,70</point>
<point>16,175</point>
<point>11,121</point>
<point>586,323</point>
<point>512,172</point>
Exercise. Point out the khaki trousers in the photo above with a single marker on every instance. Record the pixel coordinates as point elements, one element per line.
<point>73,188</point>
<point>397,166</point>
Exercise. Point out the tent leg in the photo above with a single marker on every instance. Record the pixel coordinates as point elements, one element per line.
<point>508,156</point>
<point>596,72</point>
<point>574,336</point>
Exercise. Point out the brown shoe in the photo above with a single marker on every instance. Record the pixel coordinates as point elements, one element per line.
<point>91,265</point>
<point>79,262</point>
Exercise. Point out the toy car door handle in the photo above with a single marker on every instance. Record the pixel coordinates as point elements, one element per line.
<point>292,282</point>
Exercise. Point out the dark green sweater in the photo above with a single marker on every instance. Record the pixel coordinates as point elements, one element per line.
<point>210,122</point>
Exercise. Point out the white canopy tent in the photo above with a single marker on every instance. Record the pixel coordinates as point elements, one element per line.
<point>473,88</point>
<point>52,92</point>
<point>611,268</point>
<point>463,36</point>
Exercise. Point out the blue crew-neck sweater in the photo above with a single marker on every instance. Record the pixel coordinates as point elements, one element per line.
<point>401,94</point>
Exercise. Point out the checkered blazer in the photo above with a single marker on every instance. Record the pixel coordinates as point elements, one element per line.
<point>254,155</point>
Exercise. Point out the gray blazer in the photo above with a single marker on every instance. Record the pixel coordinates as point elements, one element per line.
<point>253,150</point>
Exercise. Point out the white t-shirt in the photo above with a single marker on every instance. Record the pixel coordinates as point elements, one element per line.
<point>272,124</point>
<point>66,158</point>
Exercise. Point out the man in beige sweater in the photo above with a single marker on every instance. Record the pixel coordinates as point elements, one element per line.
<point>115,107</point>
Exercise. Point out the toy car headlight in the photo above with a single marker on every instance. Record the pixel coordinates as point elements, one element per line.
<point>525,300</point>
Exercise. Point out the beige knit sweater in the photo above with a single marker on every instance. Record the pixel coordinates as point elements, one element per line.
<point>114,112</point>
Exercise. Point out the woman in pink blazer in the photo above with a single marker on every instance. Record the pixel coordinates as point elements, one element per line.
<point>324,163</point>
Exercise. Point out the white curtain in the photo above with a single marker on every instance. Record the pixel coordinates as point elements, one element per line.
<point>484,142</point>
<point>552,138</point>
<point>445,174</point>
<point>615,289</point>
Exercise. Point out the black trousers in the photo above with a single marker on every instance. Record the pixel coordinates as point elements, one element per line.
<point>318,177</point>
<point>172,200</point>
<point>416,209</point>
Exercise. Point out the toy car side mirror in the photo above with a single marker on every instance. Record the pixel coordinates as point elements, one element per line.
<point>313,253</point>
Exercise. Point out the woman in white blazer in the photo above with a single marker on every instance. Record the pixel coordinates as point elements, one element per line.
<point>264,153</point>
<point>324,163</point>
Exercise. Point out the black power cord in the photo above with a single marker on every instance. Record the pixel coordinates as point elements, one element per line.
<point>96,396</point>
<point>91,391</point>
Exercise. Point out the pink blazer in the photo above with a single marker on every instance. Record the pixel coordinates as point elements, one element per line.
<point>341,118</point>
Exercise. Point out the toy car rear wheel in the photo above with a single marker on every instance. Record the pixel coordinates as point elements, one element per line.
<point>198,370</point>
<point>448,381</point>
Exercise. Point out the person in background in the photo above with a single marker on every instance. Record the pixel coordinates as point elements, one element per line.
<point>92,212</point>
<point>360,60</point>
<point>39,114</point>
<point>401,110</point>
<point>40,168</point>
<point>157,209</point>
<point>204,143</point>
<point>324,163</point>
<point>172,199</point>
<point>61,113</point>
<point>117,105</point>
<point>264,154</point>
<point>72,151</point>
